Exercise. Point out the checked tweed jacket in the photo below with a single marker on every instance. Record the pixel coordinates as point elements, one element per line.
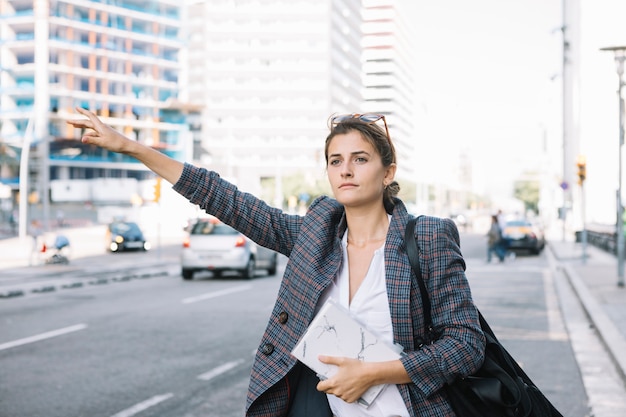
<point>313,245</point>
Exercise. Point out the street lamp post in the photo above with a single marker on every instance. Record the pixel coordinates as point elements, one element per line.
<point>620,56</point>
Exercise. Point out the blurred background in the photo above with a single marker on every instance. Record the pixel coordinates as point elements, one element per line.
<point>491,104</point>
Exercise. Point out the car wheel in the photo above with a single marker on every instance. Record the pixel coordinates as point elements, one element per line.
<point>250,269</point>
<point>187,274</point>
<point>272,269</point>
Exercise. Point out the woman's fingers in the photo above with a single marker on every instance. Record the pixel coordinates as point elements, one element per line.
<point>91,122</point>
<point>78,122</point>
<point>100,134</point>
<point>90,115</point>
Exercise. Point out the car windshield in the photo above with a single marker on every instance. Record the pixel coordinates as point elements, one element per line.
<point>126,227</point>
<point>210,228</point>
<point>517,223</point>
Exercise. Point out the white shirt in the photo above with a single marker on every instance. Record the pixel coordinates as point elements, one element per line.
<point>371,305</point>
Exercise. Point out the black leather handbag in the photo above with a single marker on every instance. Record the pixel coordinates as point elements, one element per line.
<point>500,388</point>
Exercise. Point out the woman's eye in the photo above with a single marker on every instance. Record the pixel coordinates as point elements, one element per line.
<point>360,159</point>
<point>334,162</point>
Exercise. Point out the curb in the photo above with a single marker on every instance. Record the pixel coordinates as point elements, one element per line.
<point>80,284</point>
<point>610,336</point>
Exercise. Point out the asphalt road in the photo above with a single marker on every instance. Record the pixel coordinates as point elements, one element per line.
<point>162,346</point>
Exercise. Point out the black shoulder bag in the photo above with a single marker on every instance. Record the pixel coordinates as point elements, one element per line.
<point>500,388</point>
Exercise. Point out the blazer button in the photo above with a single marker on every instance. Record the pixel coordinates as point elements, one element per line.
<point>267,349</point>
<point>283,317</point>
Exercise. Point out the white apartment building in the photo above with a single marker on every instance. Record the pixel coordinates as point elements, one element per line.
<point>269,73</point>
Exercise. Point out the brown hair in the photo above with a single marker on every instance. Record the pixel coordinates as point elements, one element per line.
<point>377,137</point>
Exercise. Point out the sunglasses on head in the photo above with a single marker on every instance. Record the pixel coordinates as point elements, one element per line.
<point>365,118</point>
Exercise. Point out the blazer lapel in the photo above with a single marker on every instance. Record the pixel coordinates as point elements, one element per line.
<point>398,279</point>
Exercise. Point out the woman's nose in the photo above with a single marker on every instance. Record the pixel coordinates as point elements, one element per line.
<point>346,170</point>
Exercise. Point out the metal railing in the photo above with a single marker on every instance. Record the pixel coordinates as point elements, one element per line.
<point>601,236</point>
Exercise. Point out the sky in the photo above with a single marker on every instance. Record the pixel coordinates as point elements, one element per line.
<point>486,85</point>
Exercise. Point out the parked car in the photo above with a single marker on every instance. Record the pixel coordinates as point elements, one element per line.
<point>124,236</point>
<point>523,234</point>
<point>216,247</point>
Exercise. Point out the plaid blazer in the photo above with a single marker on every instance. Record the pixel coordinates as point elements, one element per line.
<point>313,245</point>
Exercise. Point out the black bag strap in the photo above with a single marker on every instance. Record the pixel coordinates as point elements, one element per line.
<point>413,252</point>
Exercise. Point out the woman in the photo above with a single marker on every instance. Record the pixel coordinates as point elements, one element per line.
<point>351,248</point>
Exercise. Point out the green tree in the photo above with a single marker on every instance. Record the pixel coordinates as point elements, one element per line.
<point>295,186</point>
<point>527,189</point>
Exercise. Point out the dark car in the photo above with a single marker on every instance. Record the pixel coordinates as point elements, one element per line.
<point>523,234</point>
<point>216,247</point>
<point>123,236</point>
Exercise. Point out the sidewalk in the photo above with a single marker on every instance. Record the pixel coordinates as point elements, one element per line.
<point>597,334</point>
<point>84,241</point>
<point>23,271</point>
<point>595,282</point>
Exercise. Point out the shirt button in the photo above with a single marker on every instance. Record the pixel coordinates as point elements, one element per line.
<point>283,317</point>
<point>267,349</point>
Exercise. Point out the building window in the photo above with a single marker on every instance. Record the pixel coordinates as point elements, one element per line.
<point>25,59</point>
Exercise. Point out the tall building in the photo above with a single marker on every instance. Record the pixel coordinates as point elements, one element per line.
<point>269,73</point>
<point>389,77</point>
<point>117,58</point>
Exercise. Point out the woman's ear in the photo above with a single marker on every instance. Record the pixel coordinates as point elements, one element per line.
<point>390,174</point>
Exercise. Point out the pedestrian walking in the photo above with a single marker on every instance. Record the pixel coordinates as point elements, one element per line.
<point>349,248</point>
<point>494,240</point>
<point>13,221</point>
<point>35,231</point>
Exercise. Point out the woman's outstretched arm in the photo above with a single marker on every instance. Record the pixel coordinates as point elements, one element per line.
<point>106,137</point>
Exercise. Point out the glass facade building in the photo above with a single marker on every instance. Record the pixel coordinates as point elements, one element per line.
<point>118,58</point>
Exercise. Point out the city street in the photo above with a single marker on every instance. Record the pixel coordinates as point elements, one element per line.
<point>141,125</point>
<point>152,344</point>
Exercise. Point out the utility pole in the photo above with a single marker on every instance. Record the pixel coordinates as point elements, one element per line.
<point>571,55</point>
<point>620,58</point>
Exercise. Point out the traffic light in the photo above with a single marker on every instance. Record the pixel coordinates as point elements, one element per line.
<point>581,163</point>
<point>157,190</point>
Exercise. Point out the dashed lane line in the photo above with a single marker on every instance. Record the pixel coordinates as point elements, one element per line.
<point>220,370</point>
<point>214,294</point>
<point>556,323</point>
<point>43,336</point>
<point>144,405</point>
<point>157,399</point>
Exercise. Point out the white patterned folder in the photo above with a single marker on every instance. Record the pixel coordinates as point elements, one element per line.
<point>334,332</point>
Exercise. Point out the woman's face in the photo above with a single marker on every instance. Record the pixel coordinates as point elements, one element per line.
<point>355,170</point>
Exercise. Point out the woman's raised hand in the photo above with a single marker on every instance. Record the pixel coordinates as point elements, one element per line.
<point>104,136</point>
<point>100,134</point>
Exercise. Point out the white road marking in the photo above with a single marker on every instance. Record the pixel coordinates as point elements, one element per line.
<point>220,370</point>
<point>556,324</point>
<point>144,405</point>
<point>209,295</point>
<point>42,336</point>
